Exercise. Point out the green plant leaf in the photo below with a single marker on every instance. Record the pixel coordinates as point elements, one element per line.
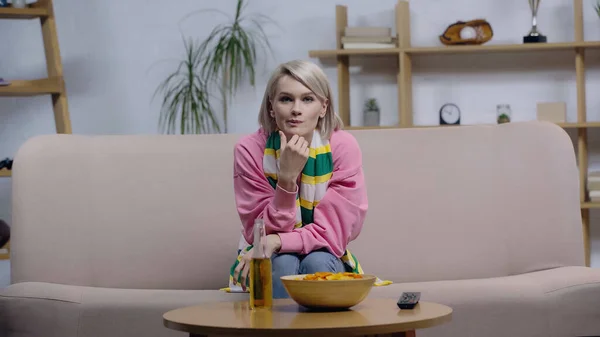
<point>185,104</point>
<point>232,50</point>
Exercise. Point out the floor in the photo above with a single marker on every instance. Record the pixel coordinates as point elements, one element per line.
<point>4,273</point>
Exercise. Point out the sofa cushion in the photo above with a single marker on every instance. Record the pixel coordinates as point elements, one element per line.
<point>555,302</point>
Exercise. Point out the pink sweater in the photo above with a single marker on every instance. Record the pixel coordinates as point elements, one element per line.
<point>338,218</point>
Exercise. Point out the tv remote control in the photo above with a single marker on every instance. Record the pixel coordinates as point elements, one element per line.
<point>409,300</point>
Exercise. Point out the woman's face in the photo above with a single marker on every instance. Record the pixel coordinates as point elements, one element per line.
<point>296,109</point>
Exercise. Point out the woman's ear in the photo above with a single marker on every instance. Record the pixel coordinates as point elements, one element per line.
<point>324,108</point>
<point>270,109</point>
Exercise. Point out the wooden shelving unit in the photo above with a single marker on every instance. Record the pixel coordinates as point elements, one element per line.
<point>46,86</point>
<point>405,53</point>
<point>54,84</point>
<point>23,13</point>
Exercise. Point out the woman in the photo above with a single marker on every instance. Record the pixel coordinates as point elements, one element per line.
<point>303,176</point>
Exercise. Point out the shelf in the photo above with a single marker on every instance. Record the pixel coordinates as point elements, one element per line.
<point>354,52</point>
<point>32,88</point>
<point>22,13</point>
<point>525,47</point>
<point>588,205</point>
<point>579,125</point>
<point>502,48</point>
<point>4,173</point>
<point>563,125</point>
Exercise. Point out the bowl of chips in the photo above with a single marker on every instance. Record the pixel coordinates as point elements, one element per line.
<point>325,290</point>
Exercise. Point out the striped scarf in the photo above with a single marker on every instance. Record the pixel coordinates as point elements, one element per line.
<point>313,184</point>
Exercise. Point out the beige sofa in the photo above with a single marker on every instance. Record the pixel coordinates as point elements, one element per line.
<point>110,232</point>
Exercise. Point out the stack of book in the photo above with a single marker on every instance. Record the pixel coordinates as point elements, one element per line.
<point>593,186</point>
<point>368,38</point>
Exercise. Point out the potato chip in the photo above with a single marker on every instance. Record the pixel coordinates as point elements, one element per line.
<point>328,276</point>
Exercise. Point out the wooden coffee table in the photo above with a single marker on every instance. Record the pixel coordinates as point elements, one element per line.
<point>370,317</point>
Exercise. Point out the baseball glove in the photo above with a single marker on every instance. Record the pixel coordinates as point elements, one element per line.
<point>452,34</point>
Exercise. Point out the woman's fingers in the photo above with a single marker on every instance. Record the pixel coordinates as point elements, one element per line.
<point>303,147</point>
<point>299,144</point>
<point>245,272</point>
<point>296,143</point>
<point>282,141</point>
<point>238,270</point>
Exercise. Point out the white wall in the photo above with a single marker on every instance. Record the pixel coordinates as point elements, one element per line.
<point>114,51</point>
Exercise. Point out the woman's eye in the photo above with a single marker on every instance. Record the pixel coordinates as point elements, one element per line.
<point>308,99</point>
<point>284,99</point>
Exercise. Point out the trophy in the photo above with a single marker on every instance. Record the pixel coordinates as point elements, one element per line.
<point>534,35</point>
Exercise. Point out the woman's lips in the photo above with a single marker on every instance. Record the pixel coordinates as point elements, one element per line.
<point>294,122</point>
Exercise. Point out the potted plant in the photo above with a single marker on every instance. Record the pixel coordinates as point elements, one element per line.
<point>597,7</point>
<point>503,118</point>
<point>186,106</point>
<point>218,64</point>
<point>503,112</point>
<point>371,113</point>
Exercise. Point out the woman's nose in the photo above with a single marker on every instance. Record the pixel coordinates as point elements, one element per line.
<point>296,109</point>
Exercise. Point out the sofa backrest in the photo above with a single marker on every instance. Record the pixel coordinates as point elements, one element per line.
<point>142,211</point>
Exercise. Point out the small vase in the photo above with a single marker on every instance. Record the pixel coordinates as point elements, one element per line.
<point>19,3</point>
<point>371,118</point>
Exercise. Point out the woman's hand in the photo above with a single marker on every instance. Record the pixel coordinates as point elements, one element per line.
<point>293,157</point>
<point>273,244</point>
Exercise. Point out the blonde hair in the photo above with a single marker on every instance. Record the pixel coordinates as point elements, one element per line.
<point>312,77</point>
